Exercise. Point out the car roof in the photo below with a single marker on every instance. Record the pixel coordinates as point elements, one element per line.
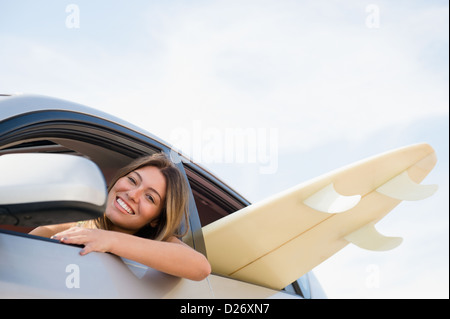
<point>16,104</point>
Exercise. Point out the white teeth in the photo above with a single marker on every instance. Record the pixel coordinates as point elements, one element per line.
<point>125,206</point>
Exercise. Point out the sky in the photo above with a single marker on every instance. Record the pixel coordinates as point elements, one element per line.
<point>266,94</point>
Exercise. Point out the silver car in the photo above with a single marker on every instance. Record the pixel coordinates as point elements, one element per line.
<point>56,160</point>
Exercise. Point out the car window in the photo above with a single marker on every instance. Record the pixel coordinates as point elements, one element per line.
<point>109,145</point>
<point>212,199</point>
<point>103,154</point>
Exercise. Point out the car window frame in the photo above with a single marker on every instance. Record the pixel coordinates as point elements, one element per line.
<point>64,124</point>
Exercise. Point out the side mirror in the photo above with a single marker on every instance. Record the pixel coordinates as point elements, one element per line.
<point>41,189</point>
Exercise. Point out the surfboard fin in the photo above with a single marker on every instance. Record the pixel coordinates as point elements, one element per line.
<point>368,237</point>
<point>404,188</point>
<point>327,200</point>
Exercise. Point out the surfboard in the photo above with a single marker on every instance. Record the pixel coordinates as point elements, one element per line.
<point>274,242</point>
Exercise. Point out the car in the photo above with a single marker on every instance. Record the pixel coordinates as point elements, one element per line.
<point>56,158</point>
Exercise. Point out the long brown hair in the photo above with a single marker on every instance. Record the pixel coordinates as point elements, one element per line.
<point>175,208</point>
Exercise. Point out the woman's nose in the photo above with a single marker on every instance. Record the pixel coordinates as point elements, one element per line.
<point>134,194</point>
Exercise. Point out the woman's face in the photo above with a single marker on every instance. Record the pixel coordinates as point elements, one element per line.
<point>136,199</point>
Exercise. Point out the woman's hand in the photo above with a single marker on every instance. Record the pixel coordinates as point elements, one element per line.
<point>93,239</point>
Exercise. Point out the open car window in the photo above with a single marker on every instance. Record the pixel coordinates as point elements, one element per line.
<point>108,145</point>
<point>213,200</point>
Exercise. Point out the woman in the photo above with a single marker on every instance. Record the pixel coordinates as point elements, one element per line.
<point>146,203</point>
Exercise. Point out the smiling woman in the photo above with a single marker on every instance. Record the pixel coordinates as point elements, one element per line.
<point>163,207</point>
<point>146,205</point>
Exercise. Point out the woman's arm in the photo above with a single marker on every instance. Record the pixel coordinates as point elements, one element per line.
<point>50,230</point>
<point>172,257</point>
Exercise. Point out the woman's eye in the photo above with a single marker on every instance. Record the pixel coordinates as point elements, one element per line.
<point>150,198</point>
<point>132,180</point>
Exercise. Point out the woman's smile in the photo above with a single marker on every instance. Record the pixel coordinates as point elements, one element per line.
<point>123,206</point>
